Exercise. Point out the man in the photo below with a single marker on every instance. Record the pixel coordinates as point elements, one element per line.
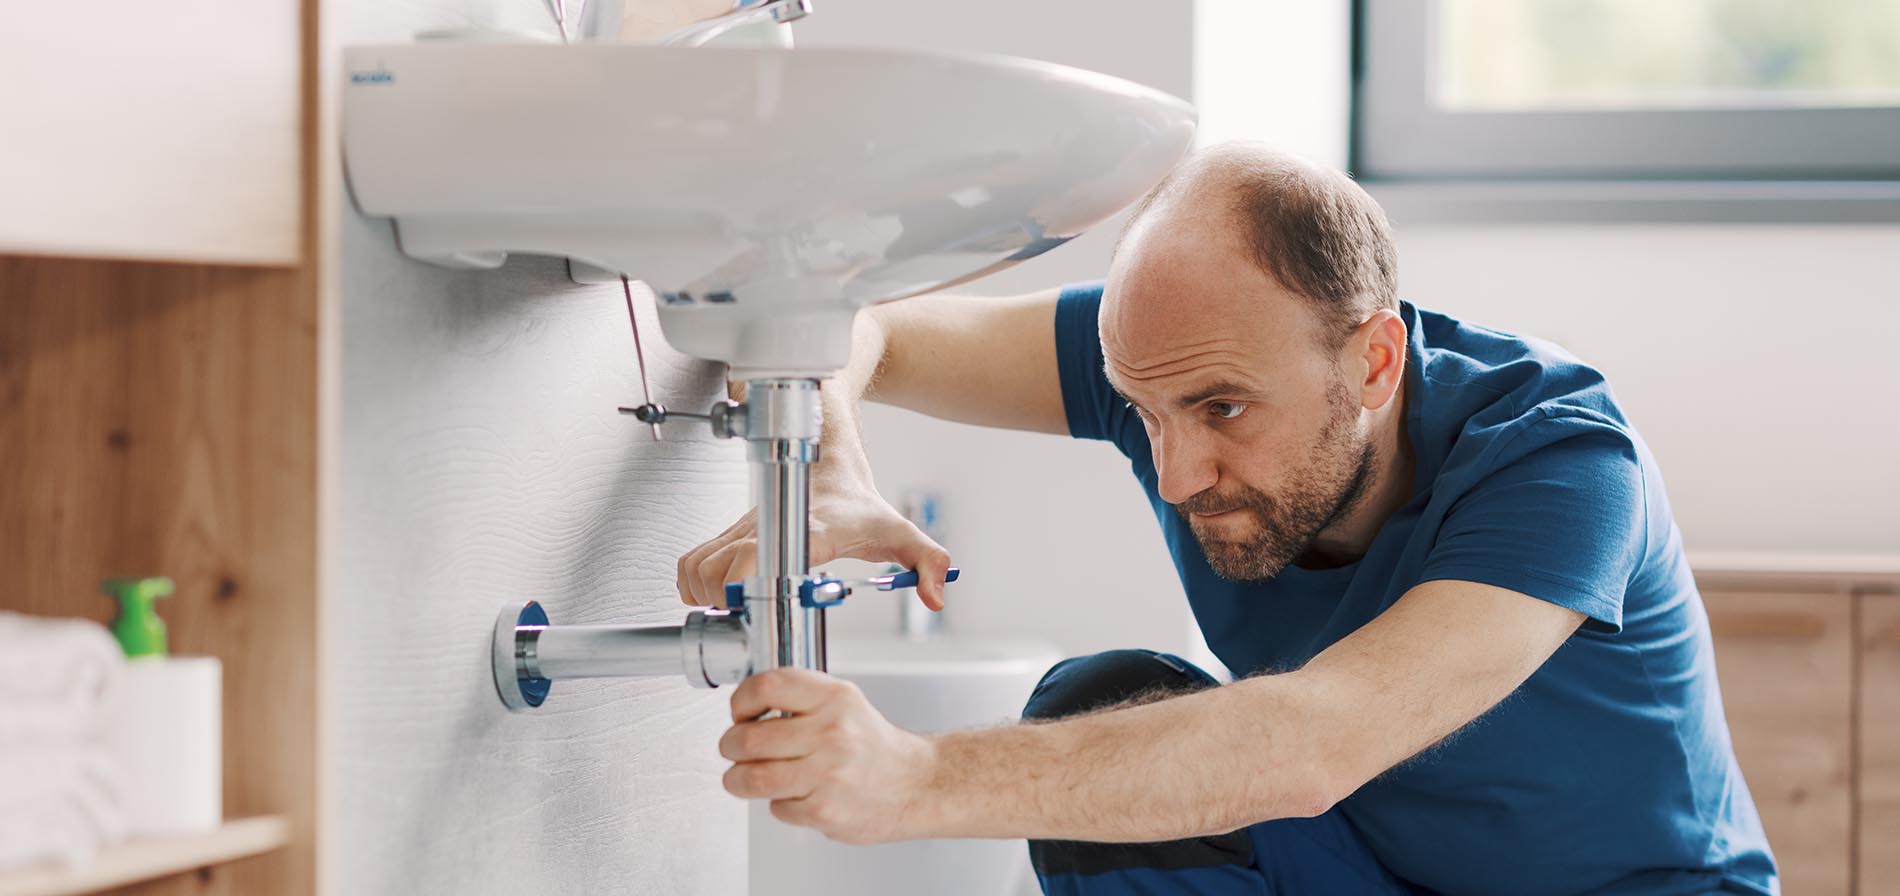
<point>1471,657</point>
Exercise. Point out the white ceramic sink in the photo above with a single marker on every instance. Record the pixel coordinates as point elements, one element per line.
<point>945,683</point>
<point>936,685</point>
<point>765,194</point>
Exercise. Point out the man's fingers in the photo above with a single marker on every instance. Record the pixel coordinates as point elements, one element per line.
<point>683,574</point>
<point>739,563</point>
<point>771,780</point>
<point>689,566</point>
<point>911,548</point>
<point>695,585</point>
<point>689,562</point>
<point>794,810</point>
<point>932,563</point>
<point>790,737</point>
<point>788,690</point>
<point>704,572</point>
<point>729,563</point>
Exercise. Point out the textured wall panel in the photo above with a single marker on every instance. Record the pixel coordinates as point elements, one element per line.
<point>477,458</point>
<point>480,458</point>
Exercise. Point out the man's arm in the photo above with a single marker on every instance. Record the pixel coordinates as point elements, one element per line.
<point>1267,747</point>
<point>990,362</point>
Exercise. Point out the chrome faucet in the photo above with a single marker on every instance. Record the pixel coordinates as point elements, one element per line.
<point>599,20</point>
<point>743,13</point>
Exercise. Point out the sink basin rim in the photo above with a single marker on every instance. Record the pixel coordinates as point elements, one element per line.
<point>899,657</point>
<point>910,171</point>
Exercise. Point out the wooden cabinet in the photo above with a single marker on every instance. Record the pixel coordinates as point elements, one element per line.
<point>1808,650</point>
<point>1785,660</point>
<point>162,419</point>
<point>1879,745</point>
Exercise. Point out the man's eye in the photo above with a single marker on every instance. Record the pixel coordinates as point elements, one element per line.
<point>1226,410</point>
<point>1137,409</point>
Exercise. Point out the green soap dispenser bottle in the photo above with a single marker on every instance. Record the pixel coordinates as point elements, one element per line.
<point>168,731</point>
<point>138,628</point>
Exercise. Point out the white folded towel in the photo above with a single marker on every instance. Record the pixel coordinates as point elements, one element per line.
<point>60,679</point>
<point>59,805</point>
<point>62,787</point>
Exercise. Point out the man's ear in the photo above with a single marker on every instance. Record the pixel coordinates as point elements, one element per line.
<point>1379,347</point>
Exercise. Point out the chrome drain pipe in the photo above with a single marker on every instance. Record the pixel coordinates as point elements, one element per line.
<point>778,617</point>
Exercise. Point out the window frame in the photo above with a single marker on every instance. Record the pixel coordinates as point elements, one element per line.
<point>1790,164</point>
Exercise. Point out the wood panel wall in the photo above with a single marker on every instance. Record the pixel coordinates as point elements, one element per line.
<point>162,420</point>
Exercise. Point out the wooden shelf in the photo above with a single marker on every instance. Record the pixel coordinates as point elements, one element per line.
<point>143,860</point>
<point>163,419</point>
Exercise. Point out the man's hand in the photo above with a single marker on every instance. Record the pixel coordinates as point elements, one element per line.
<point>1267,746</point>
<point>848,519</point>
<point>834,765</point>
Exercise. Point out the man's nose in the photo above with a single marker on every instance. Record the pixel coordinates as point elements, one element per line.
<point>1184,467</point>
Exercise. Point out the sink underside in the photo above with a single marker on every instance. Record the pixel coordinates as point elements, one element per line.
<point>747,184</point>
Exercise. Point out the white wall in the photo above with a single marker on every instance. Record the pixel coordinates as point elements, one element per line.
<point>1056,537</point>
<point>1277,71</point>
<point>1750,357</point>
<point>474,455</point>
<point>1758,362</point>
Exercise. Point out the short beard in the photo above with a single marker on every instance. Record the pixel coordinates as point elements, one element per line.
<point>1289,525</point>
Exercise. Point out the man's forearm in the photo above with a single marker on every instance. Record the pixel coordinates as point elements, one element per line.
<point>841,448</point>
<point>1193,765</point>
<point>1267,747</point>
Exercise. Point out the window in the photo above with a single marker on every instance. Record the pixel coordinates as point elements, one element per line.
<point>1557,91</point>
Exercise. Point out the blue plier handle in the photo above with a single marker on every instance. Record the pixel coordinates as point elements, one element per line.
<point>735,592</point>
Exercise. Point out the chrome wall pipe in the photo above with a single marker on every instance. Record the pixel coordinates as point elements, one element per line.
<point>600,651</point>
<point>781,620</point>
<point>783,422</point>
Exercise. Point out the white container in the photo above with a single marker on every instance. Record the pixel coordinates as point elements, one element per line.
<point>170,738</point>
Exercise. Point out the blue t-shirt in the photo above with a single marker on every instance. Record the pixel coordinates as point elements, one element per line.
<point>1611,766</point>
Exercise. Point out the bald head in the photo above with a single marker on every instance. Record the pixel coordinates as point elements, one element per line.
<point>1249,320</point>
<point>1312,229</point>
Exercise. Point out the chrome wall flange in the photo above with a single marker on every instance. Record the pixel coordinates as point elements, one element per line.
<point>517,628</point>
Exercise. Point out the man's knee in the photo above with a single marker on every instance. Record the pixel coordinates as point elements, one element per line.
<point>1085,683</point>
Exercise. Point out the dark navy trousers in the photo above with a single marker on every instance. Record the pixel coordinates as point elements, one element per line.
<point>1323,855</point>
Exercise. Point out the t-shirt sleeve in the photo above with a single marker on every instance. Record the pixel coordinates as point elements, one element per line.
<point>1093,409</point>
<point>1564,520</point>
